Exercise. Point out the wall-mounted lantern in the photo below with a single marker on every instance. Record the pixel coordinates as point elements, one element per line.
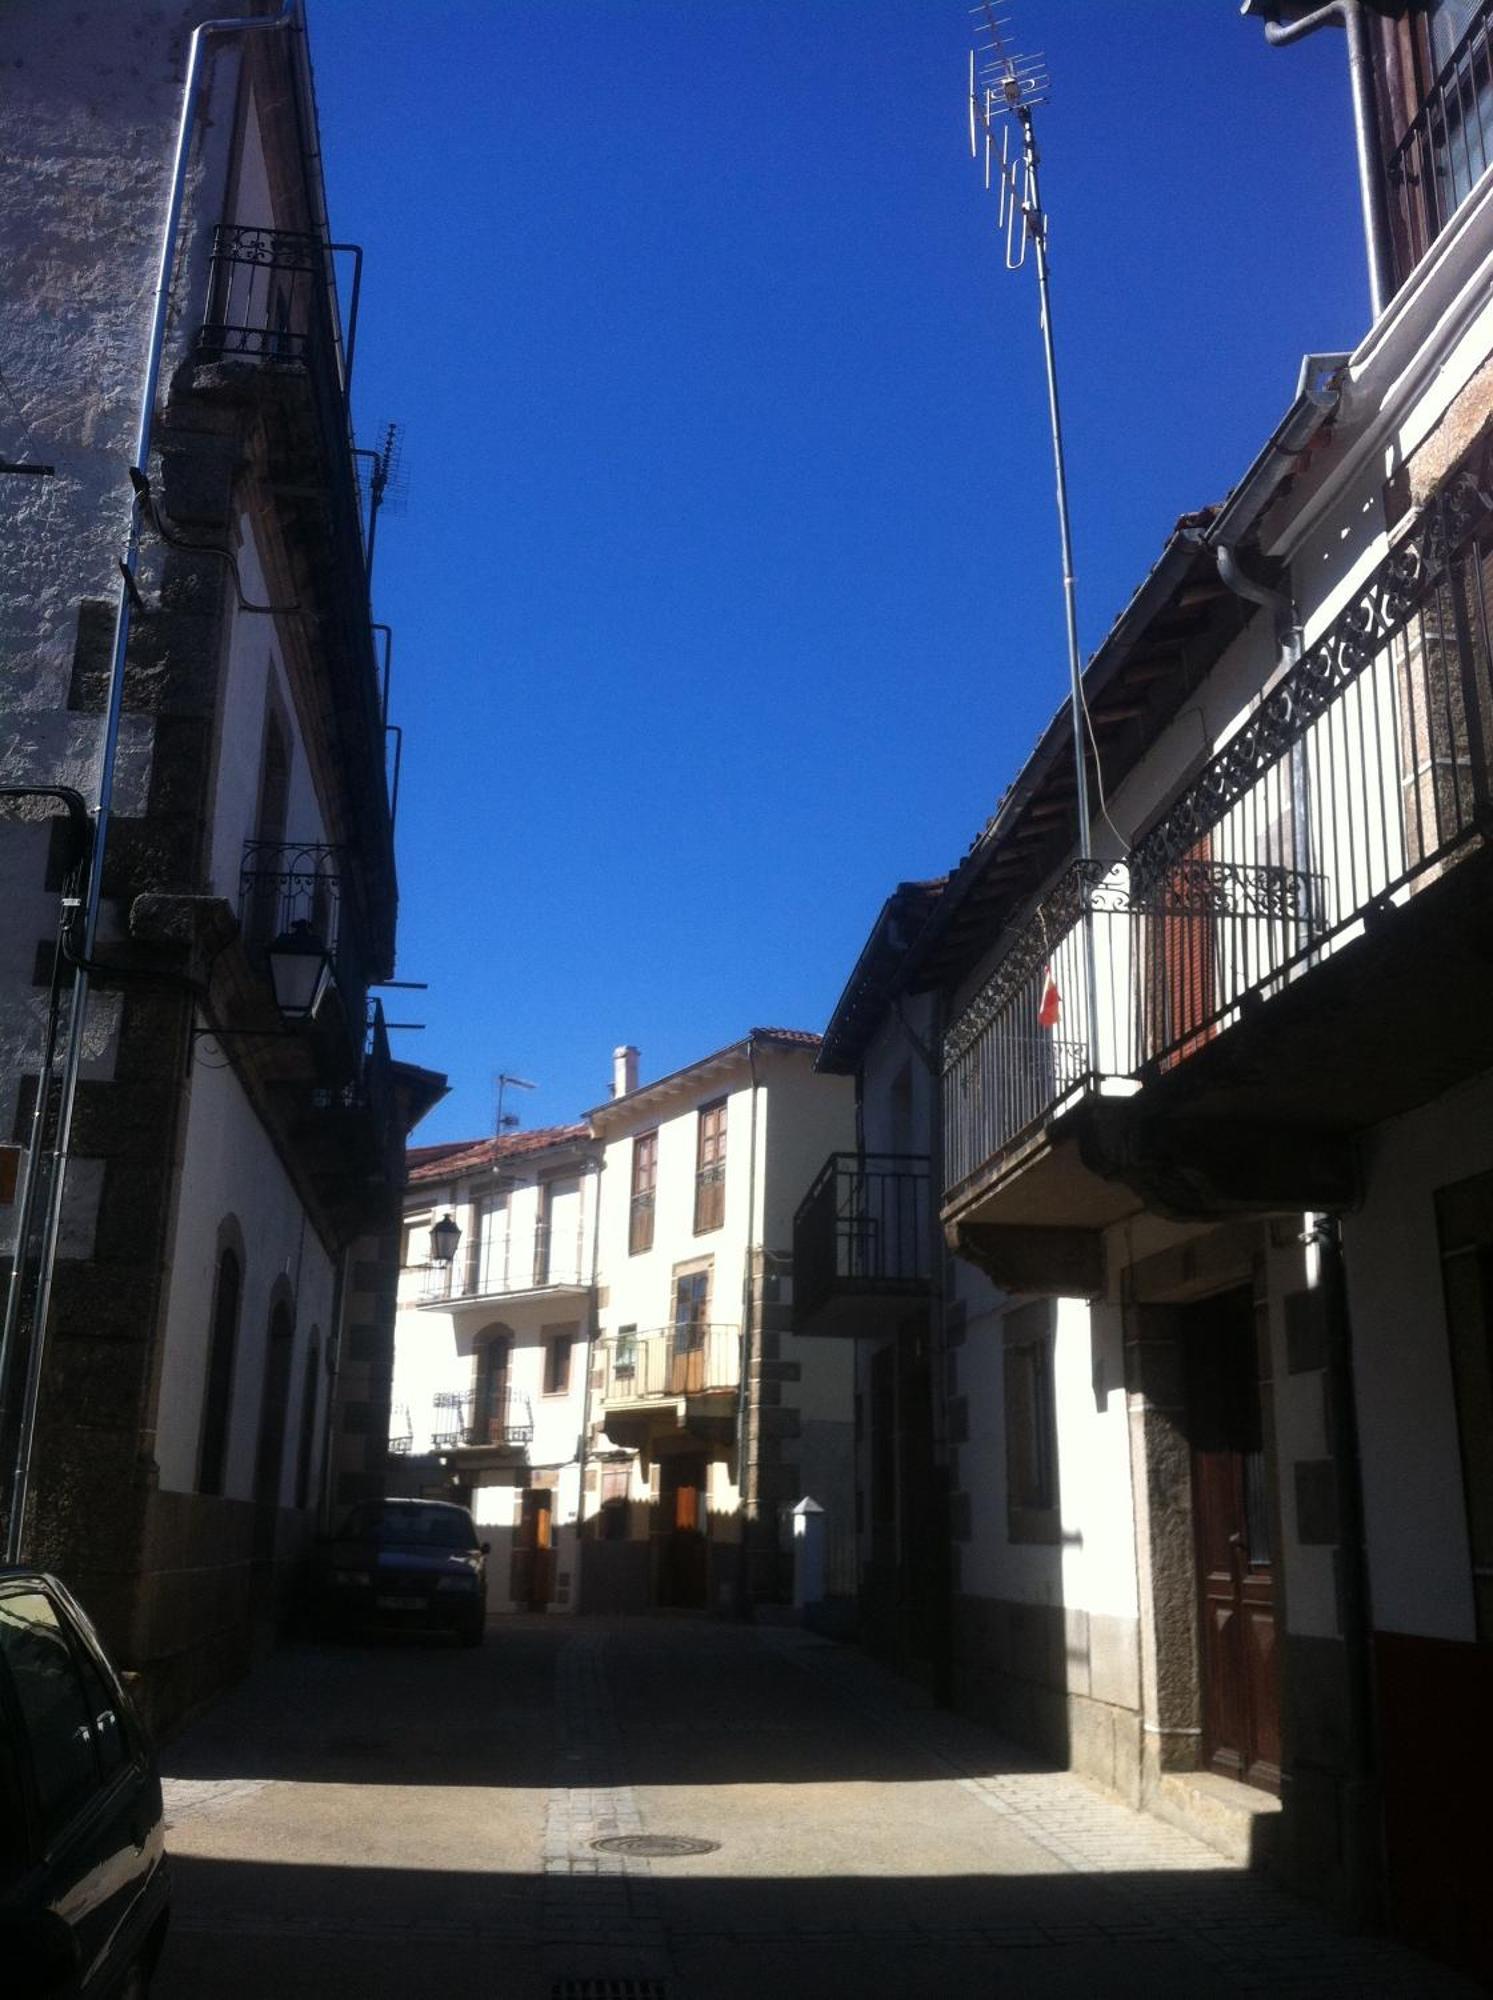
<point>300,971</point>
<point>444,1237</point>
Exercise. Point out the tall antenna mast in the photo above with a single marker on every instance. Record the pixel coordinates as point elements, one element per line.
<point>1005,88</point>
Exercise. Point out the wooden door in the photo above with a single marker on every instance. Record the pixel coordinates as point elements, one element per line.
<point>682,1551</point>
<point>1181,992</point>
<point>691,1318</point>
<point>1235,1558</point>
<point>533,1571</point>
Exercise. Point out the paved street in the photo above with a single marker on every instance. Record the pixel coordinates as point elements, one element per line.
<point>402,1819</point>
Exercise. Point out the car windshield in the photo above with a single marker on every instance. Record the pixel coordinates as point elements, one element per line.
<point>425,1527</point>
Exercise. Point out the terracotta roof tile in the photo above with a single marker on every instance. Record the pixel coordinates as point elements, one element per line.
<point>438,1163</point>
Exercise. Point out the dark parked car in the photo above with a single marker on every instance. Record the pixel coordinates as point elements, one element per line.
<point>84,1885</point>
<point>415,1564</point>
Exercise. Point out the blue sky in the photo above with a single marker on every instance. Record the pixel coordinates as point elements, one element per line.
<point>726,595</point>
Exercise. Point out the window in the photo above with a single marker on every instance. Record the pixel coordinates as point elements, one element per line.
<point>557,1364</point>
<point>625,1354</point>
<point>57,1714</point>
<point>710,1168</point>
<point>1031,1425</point>
<point>490,1418</point>
<point>689,1340</point>
<point>644,1182</point>
<point>217,1402</point>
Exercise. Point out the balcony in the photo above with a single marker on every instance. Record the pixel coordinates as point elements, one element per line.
<point>504,1264</point>
<point>673,1378</point>
<point>1297,950</point>
<point>860,1245</point>
<point>1446,145</point>
<point>499,1422</point>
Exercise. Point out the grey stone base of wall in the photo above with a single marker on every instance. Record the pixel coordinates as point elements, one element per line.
<point>204,1607</point>
<point>1015,1669</point>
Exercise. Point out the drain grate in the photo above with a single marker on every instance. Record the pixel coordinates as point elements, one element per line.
<point>659,1845</point>
<point>608,1989</point>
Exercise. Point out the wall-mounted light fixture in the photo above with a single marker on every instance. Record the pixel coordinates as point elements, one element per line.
<point>444,1237</point>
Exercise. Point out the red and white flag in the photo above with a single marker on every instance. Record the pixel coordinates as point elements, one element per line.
<point>1050,1009</point>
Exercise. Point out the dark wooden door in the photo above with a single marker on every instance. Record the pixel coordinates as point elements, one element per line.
<point>1235,1559</point>
<point>682,1550</point>
<point>532,1578</point>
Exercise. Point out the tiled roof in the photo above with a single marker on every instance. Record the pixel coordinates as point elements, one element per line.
<point>804,1038</point>
<point>439,1163</point>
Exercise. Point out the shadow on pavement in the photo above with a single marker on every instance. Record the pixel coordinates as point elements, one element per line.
<point>255,1928</point>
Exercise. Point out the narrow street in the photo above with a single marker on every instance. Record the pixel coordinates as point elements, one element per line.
<point>399,1819</point>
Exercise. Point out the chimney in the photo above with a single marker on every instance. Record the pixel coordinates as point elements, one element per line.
<point>624,1070</point>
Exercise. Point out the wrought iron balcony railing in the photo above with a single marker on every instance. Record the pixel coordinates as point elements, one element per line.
<point>501,1262</point>
<point>1361,777</point>
<point>672,1361</point>
<point>463,1420</point>
<point>862,1231</point>
<point>1447,146</point>
<point>271,298</point>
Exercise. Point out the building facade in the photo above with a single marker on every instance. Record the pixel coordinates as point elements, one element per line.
<point>605,1367</point>
<point>492,1356</point>
<point>191,686</point>
<point>1211,1138</point>
<point>709,1416</point>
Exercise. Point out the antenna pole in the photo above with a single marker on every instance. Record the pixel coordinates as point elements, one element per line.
<point>1036,223</point>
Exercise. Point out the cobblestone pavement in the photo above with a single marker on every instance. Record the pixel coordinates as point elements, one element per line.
<point>396,1820</point>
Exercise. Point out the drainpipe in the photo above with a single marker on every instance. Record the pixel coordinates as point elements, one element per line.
<point>743,1563</point>
<point>113,714</point>
<point>1363,1861</point>
<point>1349,15</point>
<point>592,1344</point>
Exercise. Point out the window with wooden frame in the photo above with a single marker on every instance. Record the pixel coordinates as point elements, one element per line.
<point>710,1167</point>
<point>1031,1424</point>
<point>557,1347</point>
<point>644,1186</point>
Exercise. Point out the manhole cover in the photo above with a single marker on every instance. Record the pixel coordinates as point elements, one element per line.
<point>657,1844</point>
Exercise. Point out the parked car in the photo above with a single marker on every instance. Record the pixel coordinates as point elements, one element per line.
<point>413,1564</point>
<point>84,1882</point>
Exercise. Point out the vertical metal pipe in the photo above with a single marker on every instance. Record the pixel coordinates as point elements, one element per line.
<point>1349,15</point>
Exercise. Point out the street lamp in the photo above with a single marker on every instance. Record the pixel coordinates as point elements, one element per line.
<point>444,1237</point>
<point>300,971</point>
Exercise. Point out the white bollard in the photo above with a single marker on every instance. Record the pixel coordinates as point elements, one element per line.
<point>808,1553</point>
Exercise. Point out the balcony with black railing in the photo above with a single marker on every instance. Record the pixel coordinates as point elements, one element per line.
<point>496,1420</point>
<point>861,1251</point>
<point>1296,950</point>
<point>503,1262</point>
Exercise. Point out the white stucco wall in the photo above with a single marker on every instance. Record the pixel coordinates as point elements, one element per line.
<point>1415,1513</point>
<point>229,1168</point>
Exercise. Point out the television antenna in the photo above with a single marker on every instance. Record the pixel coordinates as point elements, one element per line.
<point>1005,88</point>
<point>507,1121</point>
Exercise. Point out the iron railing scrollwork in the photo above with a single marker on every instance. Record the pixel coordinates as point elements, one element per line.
<point>1358,780</point>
